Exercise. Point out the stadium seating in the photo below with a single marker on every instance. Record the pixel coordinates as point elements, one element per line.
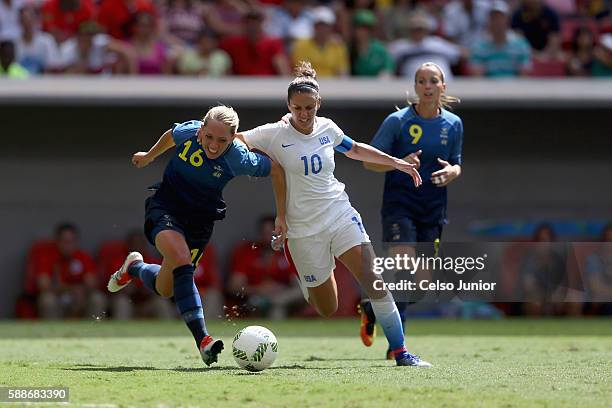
<point>547,68</point>
<point>25,307</point>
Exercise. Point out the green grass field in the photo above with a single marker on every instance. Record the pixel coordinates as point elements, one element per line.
<point>506,363</point>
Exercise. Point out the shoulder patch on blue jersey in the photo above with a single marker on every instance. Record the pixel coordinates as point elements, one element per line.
<point>182,132</point>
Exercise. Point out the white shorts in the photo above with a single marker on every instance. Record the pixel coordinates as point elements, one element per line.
<point>313,256</point>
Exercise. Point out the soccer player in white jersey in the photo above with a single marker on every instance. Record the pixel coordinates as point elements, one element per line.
<point>321,222</point>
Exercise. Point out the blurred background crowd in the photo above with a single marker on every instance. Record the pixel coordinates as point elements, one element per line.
<point>62,280</point>
<point>364,38</point>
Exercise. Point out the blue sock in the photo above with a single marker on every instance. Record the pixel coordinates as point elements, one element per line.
<point>401,308</point>
<point>147,273</point>
<point>388,317</point>
<point>188,302</point>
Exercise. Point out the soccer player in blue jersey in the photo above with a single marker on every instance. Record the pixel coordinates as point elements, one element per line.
<point>426,134</point>
<point>180,216</point>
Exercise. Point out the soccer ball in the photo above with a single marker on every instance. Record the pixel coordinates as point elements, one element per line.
<point>254,348</point>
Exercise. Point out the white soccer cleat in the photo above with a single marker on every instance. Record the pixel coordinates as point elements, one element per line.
<point>210,350</point>
<point>410,360</point>
<point>121,278</point>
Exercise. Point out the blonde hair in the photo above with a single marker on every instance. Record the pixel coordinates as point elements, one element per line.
<point>224,114</point>
<point>305,80</point>
<point>445,100</point>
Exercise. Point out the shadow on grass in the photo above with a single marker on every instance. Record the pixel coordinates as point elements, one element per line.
<point>299,367</point>
<point>129,369</point>
<point>315,358</point>
<point>239,371</point>
<point>121,369</point>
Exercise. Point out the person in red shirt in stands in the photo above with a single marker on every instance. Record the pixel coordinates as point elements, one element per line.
<point>66,278</point>
<point>62,18</point>
<point>253,53</point>
<point>264,276</point>
<point>118,16</point>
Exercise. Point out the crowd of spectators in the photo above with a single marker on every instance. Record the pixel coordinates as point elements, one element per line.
<point>545,276</point>
<point>550,277</point>
<point>62,280</point>
<point>365,38</point>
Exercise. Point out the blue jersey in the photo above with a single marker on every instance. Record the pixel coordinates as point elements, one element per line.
<point>405,132</point>
<point>193,184</point>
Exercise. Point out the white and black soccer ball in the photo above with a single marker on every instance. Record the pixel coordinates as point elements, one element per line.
<point>254,348</point>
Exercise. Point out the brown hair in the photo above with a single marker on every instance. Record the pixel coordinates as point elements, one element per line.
<point>445,100</point>
<point>305,80</point>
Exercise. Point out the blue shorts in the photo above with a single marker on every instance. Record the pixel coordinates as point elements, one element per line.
<point>421,236</point>
<point>196,230</point>
<point>406,230</point>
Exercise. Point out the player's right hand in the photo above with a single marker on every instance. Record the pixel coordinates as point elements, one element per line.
<point>141,159</point>
<point>413,158</point>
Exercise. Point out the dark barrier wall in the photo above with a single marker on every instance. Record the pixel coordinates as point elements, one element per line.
<point>73,163</point>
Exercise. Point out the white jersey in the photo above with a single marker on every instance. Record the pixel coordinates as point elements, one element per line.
<point>315,198</point>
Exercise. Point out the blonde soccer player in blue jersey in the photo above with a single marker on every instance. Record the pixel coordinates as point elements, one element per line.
<point>180,216</point>
<point>428,135</point>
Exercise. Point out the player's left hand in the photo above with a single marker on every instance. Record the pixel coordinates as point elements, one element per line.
<point>280,227</point>
<point>409,168</point>
<point>279,233</point>
<point>443,177</point>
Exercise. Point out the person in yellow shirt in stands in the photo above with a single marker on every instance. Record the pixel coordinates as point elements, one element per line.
<point>326,51</point>
<point>8,66</point>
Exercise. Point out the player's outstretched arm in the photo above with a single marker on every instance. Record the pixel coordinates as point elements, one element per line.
<point>165,142</point>
<point>279,186</point>
<point>412,158</point>
<point>369,154</point>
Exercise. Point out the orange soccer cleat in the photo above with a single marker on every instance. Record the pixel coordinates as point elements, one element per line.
<point>368,324</point>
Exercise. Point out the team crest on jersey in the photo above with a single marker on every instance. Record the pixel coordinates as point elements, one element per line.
<point>218,171</point>
<point>444,136</point>
<point>324,140</point>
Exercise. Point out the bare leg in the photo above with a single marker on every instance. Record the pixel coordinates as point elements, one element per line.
<point>175,251</point>
<point>324,298</point>
<point>361,268</point>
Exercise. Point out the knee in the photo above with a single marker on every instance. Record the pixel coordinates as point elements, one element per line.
<point>327,310</point>
<point>165,292</point>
